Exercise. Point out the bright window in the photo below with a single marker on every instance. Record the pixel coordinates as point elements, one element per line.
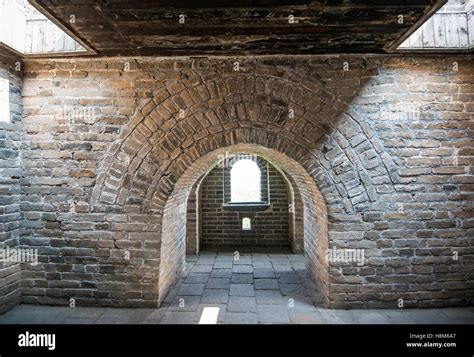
<point>245,178</point>
<point>246,224</point>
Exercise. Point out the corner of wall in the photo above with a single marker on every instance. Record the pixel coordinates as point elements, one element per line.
<point>11,134</point>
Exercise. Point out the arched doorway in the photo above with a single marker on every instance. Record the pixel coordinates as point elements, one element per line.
<point>273,218</point>
<point>175,225</point>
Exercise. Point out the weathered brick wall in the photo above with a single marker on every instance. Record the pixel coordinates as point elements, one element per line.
<point>296,212</point>
<point>193,220</point>
<point>387,141</point>
<point>10,175</point>
<point>221,226</point>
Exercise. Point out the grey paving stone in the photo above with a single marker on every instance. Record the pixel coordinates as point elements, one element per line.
<point>78,321</point>
<point>265,284</point>
<point>49,316</point>
<point>459,315</point>
<point>282,268</point>
<point>288,278</point>
<point>208,253</point>
<point>32,314</point>
<point>215,296</point>
<point>223,265</point>
<point>139,315</point>
<point>242,304</point>
<point>113,316</point>
<point>296,258</point>
<point>311,291</point>
<point>185,303</point>
<point>292,289</point>
<point>186,273</point>
<point>218,283</point>
<point>242,290</point>
<point>155,317</point>
<point>191,289</point>
<point>225,257</point>
<point>243,269</point>
<point>269,297</point>
<point>398,316</point>
<point>367,317</point>
<point>201,269</point>
<point>300,267</point>
<point>172,293</point>
<point>242,278</point>
<point>263,273</point>
<point>178,318</point>
<point>279,257</point>
<point>86,313</point>
<point>336,316</point>
<point>196,278</point>
<point>272,314</point>
<point>239,309</point>
<point>221,273</point>
<point>300,303</point>
<point>242,261</point>
<point>206,261</point>
<point>428,316</point>
<point>241,318</point>
<point>305,317</point>
<point>262,265</point>
<point>259,257</point>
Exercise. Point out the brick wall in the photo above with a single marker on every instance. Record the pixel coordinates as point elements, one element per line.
<point>193,220</point>
<point>11,133</point>
<point>381,153</point>
<point>221,226</point>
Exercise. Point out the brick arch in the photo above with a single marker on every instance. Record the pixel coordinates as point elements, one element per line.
<point>173,235</point>
<point>221,108</point>
<point>337,148</point>
<point>213,101</point>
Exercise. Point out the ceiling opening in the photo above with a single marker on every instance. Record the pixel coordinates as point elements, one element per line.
<point>26,31</point>
<point>451,28</point>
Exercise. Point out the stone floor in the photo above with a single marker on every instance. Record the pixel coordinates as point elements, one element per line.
<point>256,288</point>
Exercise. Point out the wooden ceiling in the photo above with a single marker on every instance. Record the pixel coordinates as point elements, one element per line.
<point>238,27</point>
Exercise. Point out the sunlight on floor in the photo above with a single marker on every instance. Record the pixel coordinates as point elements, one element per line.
<point>209,316</point>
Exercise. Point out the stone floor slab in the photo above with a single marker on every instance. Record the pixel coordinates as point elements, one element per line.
<point>272,314</point>
<point>242,269</point>
<point>242,290</point>
<point>263,273</point>
<point>269,297</point>
<point>242,304</point>
<point>242,279</point>
<point>218,283</point>
<point>243,295</point>
<point>191,289</point>
<point>215,296</point>
<point>266,284</point>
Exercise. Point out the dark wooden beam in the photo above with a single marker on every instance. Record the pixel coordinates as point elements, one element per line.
<point>222,27</point>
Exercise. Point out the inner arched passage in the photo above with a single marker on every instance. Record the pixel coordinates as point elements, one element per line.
<point>173,238</point>
<point>274,214</point>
